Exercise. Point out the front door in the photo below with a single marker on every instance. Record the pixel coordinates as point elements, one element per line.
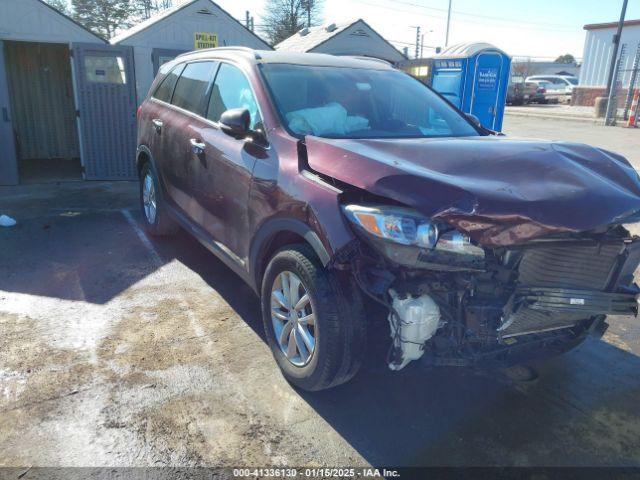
<point>224,182</point>
<point>106,100</point>
<point>8,155</point>
<point>486,85</point>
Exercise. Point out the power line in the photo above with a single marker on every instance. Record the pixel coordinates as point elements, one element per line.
<point>491,17</point>
<point>533,25</point>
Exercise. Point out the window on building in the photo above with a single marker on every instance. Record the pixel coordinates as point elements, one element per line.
<point>105,69</point>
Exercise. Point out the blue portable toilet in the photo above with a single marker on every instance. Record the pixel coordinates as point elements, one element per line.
<point>474,77</point>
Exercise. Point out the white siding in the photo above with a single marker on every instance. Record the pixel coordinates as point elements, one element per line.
<point>597,55</point>
<point>33,21</point>
<point>359,39</point>
<point>176,32</point>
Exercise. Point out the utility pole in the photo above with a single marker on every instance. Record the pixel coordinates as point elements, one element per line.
<point>248,19</point>
<point>422,46</point>
<point>417,42</point>
<point>446,40</point>
<point>610,92</point>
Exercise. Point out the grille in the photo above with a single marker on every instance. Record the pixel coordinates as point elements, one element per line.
<point>563,267</point>
<point>574,267</point>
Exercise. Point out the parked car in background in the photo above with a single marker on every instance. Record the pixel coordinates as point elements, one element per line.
<point>333,184</point>
<point>515,91</point>
<point>544,94</point>
<point>559,85</point>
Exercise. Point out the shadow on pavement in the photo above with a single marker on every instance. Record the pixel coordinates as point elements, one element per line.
<point>582,410</point>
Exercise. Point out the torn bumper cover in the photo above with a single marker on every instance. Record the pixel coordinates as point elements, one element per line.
<point>544,309</point>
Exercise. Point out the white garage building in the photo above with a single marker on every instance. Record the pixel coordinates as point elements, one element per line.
<point>68,97</point>
<point>188,26</point>
<point>39,93</point>
<point>356,38</point>
<point>598,48</point>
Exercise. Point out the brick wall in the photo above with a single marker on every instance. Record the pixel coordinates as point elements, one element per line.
<point>586,96</point>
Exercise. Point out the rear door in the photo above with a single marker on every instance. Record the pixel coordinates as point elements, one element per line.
<point>8,155</point>
<point>106,100</point>
<point>181,164</point>
<point>486,84</point>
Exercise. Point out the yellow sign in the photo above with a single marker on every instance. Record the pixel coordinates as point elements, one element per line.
<point>205,40</point>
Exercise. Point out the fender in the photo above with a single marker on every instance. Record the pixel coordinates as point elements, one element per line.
<point>277,225</point>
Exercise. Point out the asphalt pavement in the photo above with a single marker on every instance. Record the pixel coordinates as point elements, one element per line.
<point>117,349</point>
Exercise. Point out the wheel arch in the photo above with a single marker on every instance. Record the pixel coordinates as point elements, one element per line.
<point>277,233</point>
<point>143,155</point>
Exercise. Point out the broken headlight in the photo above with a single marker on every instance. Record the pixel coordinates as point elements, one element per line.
<point>408,238</point>
<point>397,224</point>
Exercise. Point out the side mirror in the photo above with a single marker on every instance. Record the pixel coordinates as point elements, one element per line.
<point>473,119</point>
<point>235,122</point>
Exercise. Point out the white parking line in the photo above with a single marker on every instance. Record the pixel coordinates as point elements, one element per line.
<point>143,237</point>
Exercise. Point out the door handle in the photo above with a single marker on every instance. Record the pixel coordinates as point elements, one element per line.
<point>158,124</point>
<point>197,147</point>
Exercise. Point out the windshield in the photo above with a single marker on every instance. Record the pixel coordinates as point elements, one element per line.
<point>334,102</point>
<point>572,81</point>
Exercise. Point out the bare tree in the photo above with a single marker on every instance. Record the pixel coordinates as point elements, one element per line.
<point>148,8</point>
<point>104,17</point>
<point>283,18</point>
<point>60,5</point>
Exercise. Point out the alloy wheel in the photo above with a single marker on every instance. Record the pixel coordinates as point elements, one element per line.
<point>149,198</point>
<point>293,318</point>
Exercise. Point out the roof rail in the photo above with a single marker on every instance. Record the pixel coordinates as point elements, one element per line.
<point>371,59</point>
<point>231,48</point>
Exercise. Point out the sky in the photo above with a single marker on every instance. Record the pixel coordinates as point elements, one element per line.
<point>542,29</point>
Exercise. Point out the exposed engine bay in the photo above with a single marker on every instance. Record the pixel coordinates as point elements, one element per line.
<point>503,305</point>
<point>485,249</point>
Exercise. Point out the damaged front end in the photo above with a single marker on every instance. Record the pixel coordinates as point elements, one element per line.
<point>457,303</point>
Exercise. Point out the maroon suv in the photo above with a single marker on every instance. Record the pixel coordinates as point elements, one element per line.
<point>333,185</point>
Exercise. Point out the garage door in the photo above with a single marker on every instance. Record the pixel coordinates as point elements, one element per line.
<point>106,99</point>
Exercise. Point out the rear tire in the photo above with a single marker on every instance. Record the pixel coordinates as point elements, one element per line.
<point>157,220</point>
<point>338,331</point>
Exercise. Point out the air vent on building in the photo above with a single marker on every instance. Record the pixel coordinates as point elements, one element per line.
<point>304,31</point>
<point>205,11</point>
<point>360,33</point>
<point>331,28</point>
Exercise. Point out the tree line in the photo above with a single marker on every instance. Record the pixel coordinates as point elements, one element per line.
<point>280,19</point>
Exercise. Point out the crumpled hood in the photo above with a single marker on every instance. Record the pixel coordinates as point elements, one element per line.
<point>499,191</point>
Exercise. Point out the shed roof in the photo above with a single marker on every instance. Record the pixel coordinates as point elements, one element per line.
<point>310,38</point>
<point>603,26</point>
<point>150,22</point>
<point>467,49</point>
<point>36,20</point>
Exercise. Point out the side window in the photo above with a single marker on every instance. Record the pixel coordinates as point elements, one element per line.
<point>165,89</point>
<point>192,86</point>
<point>232,90</point>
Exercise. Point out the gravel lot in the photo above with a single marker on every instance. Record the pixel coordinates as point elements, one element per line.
<point>118,350</point>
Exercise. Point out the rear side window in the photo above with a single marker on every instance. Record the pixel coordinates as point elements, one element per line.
<point>165,89</point>
<point>232,90</point>
<point>192,86</point>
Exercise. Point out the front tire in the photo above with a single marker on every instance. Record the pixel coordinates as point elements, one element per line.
<point>314,320</point>
<point>157,220</point>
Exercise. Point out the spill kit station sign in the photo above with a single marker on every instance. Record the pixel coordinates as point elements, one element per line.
<point>205,40</point>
